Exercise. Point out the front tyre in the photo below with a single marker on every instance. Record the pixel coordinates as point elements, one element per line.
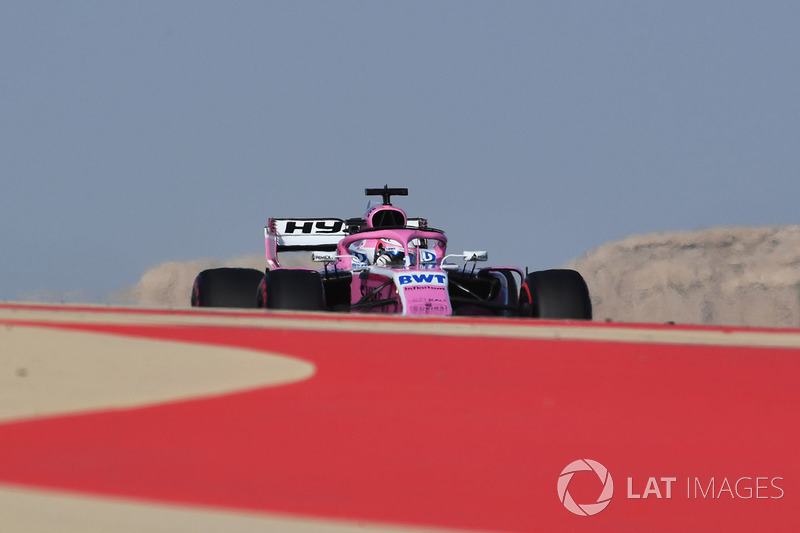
<point>559,294</point>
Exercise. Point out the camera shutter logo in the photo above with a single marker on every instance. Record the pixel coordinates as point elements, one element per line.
<point>585,509</point>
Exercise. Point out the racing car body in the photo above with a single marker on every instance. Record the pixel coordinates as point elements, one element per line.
<point>387,263</point>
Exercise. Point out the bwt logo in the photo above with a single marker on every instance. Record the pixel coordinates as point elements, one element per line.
<point>429,279</point>
<point>585,509</point>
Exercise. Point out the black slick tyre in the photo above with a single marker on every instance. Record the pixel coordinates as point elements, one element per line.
<point>559,294</point>
<point>226,287</point>
<point>295,290</point>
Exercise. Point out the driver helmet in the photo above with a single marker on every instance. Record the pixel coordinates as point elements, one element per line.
<point>387,253</point>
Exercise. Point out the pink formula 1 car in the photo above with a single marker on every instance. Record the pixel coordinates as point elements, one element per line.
<point>388,263</point>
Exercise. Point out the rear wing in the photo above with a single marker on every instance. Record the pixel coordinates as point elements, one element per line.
<point>302,234</point>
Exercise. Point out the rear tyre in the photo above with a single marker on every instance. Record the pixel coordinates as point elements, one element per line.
<point>560,294</point>
<point>295,290</point>
<point>226,287</point>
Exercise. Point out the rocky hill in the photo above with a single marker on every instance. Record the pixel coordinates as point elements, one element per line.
<point>726,276</point>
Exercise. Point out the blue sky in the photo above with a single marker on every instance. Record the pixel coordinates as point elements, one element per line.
<point>133,133</point>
